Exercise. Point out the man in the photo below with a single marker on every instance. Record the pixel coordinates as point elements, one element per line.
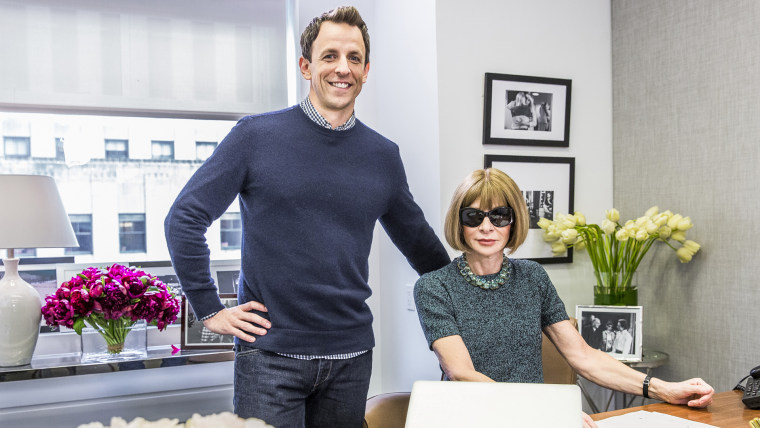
<point>312,182</point>
<point>623,340</point>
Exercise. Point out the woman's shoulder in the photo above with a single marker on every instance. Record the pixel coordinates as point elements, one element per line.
<point>438,276</point>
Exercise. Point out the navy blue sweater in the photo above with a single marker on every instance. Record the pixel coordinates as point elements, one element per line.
<point>309,200</point>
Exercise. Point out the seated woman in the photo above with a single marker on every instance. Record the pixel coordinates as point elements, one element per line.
<point>483,314</point>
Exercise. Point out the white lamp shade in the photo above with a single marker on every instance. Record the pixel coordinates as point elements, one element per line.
<point>32,214</point>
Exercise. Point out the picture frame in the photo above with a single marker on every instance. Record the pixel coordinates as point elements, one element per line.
<point>548,184</point>
<point>226,274</point>
<point>42,275</point>
<point>618,332</point>
<point>164,271</point>
<point>195,336</point>
<point>526,110</point>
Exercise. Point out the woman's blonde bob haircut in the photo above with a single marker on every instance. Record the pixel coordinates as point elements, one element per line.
<point>494,188</point>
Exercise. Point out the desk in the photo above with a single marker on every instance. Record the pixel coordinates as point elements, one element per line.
<point>726,411</point>
<point>650,359</point>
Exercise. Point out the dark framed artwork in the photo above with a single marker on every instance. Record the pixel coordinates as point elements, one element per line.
<point>196,336</point>
<point>226,273</point>
<point>615,330</point>
<point>526,111</point>
<point>43,277</point>
<point>548,184</point>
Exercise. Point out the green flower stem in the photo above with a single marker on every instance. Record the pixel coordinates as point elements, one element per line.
<point>113,331</point>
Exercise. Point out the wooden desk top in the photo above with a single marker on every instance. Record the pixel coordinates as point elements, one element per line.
<point>726,411</point>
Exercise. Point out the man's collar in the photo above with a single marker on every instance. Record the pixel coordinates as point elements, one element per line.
<point>320,120</point>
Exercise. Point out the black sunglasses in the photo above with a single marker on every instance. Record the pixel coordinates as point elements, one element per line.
<point>499,216</point>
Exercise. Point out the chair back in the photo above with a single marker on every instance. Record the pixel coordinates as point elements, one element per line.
<point>556,369</point>
<point>387,410</point>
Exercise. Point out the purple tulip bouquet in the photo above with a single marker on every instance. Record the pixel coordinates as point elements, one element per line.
<point>111,300</point>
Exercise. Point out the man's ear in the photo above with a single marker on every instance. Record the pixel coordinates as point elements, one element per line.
<point>366,72</point>
<point>305,66</point>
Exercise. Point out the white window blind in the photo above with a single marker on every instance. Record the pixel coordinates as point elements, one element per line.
<point>223,58</point>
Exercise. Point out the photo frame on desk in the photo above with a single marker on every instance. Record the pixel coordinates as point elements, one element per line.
<point>226,274</point>
<point>616,330</point>
<point>548,186</point>
<point>526,110</point>
<point>164,271</point>
<point>196,336</point>
<point>42,275</point>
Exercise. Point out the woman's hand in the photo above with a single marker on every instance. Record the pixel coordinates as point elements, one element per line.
<point>588,422</point>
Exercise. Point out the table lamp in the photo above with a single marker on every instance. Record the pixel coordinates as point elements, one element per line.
<point>31,216</point>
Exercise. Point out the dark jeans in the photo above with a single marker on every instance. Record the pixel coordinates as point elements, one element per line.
<point>290,393</point>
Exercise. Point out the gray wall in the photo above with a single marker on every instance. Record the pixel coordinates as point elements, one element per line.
<point>685,137</point>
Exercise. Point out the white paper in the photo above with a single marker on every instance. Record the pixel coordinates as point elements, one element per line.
<point>643,418</point>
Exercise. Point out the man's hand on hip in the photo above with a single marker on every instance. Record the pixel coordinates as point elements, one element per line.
<point>239,321</point>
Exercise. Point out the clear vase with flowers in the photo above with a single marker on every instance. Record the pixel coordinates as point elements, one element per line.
<point>112,301</point>
<point>616,249</point>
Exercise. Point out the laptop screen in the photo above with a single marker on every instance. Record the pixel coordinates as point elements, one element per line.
<point>493,404</point>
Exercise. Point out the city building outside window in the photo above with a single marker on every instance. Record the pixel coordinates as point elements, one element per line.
<point>162,150</point>
<point>82,225</point>
<point>117,149</point>
<point>204,149</point>
<point>132,233</point>
<point>59,153</point>
<point>231,231</point>
<point>17,147</point>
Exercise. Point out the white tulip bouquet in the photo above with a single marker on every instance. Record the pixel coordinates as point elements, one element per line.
<point>617,249</point>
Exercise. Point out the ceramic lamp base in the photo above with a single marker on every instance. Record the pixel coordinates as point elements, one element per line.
<point>19,317</point>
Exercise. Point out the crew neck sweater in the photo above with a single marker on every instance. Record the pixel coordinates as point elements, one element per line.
<point>309,200</point>
<point>501,328</point>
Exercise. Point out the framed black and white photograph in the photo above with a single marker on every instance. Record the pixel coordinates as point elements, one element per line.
<point>547,184</point>
<point>226,273</point>
<point>164,271</point>
<point>615,330</point>
<point>526,111</point>
<point>196,336</point>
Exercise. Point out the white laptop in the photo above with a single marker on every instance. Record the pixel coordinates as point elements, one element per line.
<point>493,404</point>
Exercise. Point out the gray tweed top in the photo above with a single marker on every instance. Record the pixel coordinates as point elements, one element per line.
<point>501,328</point>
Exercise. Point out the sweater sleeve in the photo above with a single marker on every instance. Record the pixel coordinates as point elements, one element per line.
<point>205,197</point>
<point>405,224</point>
<point>435,309</point>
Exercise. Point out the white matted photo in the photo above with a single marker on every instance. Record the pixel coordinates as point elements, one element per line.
<point>41,274</point>
<point>548,184</point>
<point>196,336</point>
<point>615,330</point>
<point>226,273</point>
<point>526,110</point>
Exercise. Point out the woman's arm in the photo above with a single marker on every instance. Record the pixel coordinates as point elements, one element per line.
<point>608,372</point>
<point>455,360</point>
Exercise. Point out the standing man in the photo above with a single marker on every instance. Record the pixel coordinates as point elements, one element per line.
<point>312,180</point>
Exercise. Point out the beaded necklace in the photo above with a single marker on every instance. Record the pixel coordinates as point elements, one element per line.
<point>477,281</point>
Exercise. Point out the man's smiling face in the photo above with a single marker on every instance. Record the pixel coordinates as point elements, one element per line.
<point>336,70</point>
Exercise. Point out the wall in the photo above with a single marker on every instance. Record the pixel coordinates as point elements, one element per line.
<point>685,138</point>
<point>547,38</point>
<point>425,92</point>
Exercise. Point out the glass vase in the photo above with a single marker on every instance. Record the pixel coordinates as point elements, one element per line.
<point>628,296</point>
<point>95,348</point>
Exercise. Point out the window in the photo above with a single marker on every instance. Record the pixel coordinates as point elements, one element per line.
<point>17,147</point>
<point>117,149</point>
<point>162,150</point>
<point>231,230</point>
<point>60,155</point>
<point>203,149</point>
<point>132,233</point>
<point>82,224</point>
<point>25,252</point>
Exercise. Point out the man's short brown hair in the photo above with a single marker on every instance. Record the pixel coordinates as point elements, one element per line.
<point>341,15</point>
